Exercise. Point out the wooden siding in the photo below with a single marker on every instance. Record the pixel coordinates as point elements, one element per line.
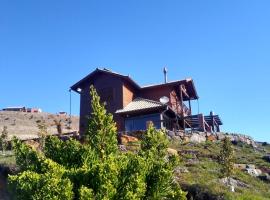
<point>109,87</point>
<point>128,94</point>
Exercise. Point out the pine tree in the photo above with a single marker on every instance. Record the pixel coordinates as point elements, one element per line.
<point>101,133</point>
<point>3,139</point>
<point>226,158</point>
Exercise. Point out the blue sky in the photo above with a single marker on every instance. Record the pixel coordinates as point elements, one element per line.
<point>46,46</point>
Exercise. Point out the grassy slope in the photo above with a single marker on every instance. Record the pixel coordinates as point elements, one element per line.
<point>203,176</point>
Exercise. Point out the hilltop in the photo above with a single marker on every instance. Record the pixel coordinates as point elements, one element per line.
<point>24,125</point>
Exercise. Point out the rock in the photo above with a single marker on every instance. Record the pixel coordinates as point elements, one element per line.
<point>211,138</point>
<point>240,166</point>
<point>176,138</point>
<point>221,136</point>
<point>122,148</point>
<point>186,139</point>
<point>265,177</point>
<point>254,172</point>
<point>197,138</point>
<point>180,170</point>
<point>230,182</point>
<point>126,139</point>
<point>172,152</point>
<point>180,133</point>
<point>267,158</point>
<point>171,133</point>
<point>251,166</point>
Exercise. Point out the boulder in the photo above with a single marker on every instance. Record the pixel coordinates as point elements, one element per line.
<point>265,177</point>
<point>221,136</point>
<point>172,152</point>
<point>267,158</point>
<point>171,133</point>
<point>211,138</point>
<point>180,133</point>
<point>249,166</point>
<point>254,172</point>
<point>176,138</point>
<point>186,139</point>
<point>126,139</point>
<point>240,166</point>
<point>197,138</point>
<point>122,148</point>
<point>231,182</point>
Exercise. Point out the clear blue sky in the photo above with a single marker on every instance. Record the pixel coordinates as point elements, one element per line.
<point>46,46</point>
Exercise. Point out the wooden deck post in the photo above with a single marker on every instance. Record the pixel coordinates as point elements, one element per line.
<point>201,122</point>
<point>181,105</point>
<point>190,109</point>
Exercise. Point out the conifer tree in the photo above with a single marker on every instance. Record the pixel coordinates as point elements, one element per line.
<point>3,139</point>
<point>101,133</point>
<point>226,158</point>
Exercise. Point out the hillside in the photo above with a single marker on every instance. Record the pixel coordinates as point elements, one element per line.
<point>24,125</point>
<point>199,172</point>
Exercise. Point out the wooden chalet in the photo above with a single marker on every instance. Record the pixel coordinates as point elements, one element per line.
<point>133,106</point>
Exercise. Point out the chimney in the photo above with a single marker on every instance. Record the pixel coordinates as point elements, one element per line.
<point>165,71</point>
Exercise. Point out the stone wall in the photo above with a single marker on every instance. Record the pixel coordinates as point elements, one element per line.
<point>199,137</point>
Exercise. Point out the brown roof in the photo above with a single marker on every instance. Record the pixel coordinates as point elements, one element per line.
<point>189,84</point>
<point>106,71</point>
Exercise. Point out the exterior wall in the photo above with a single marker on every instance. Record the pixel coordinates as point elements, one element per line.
<point>107,86</point>
<point>169,91</point>
<point>156,93</point>
<point>129,94</point>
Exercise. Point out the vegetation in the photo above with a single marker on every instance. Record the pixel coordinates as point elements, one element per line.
<point>42,133</point>
<point>58,124</point>
<point>4,139</point>
<point>226,158</point>
<point>202,178</point>
<point>97,169</point>
<point>101,133</point>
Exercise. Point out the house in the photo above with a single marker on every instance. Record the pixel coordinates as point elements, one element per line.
<point>15,108</point>
<point>166,105</point>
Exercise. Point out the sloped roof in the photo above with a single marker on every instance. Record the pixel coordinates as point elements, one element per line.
<point>187,82</point>
<point>106,71</point>
<point>140,104</point>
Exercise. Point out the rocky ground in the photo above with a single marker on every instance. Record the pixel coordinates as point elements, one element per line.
<point>24,125</point>
<point>199,170</point>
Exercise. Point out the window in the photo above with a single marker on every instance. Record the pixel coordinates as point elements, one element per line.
<point>141,122</point>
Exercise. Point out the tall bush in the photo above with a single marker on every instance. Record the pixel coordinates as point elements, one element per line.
<point>97,169</point>
<point>226,158</point>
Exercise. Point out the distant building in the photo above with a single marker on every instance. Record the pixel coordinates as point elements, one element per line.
<point>167,105</point>
<point>62,113</point>
<point>18,109</point>
<point>23,109</point>
<point>34,110</point>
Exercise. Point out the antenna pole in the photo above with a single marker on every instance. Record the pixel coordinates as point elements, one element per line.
<point>70,108</point>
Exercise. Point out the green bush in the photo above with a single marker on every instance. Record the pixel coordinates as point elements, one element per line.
<point>96,170</point>
<point>31,185</point>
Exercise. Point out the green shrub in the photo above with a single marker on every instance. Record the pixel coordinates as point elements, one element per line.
<point>96,170</point>
<point>86,193</point>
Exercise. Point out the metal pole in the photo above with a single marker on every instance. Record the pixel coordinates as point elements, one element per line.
<point>70,101</point>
